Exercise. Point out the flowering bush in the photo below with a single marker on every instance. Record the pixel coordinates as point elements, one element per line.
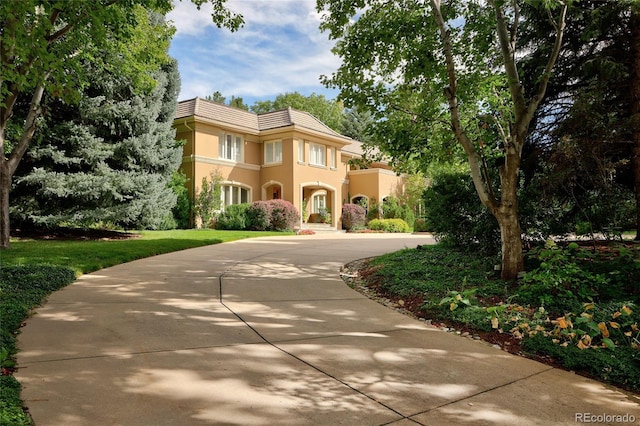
<point>353,216</point>
<point>307,232</point>
<point>284,216</point>
<point>259,216</point>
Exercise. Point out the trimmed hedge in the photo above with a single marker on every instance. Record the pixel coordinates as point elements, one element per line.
<point>353,217</point>
<point>389,225</point>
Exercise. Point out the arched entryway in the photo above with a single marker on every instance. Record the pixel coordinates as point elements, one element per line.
<point>272,190</point>
<point>319,203</point>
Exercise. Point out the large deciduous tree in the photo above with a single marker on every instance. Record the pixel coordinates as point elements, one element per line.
<point>433,73</point>
<point>584,133</point>
<point>44,47</point>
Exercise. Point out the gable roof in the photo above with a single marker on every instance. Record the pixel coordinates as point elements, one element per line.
<point>254,122</point>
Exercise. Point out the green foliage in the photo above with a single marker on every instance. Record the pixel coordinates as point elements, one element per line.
<point>456,299</point>
<point>22,288</point>
<point>208,200</point>
<point>389,225</point>
<point>357,124</point>
<point>182,210</point>
<point>454,213</point>
<point>108,159</point>
<point>11,412</point>
<point>560,282</point>
<point>234,217</point>
<point>353,216</point>
<point>392,209</point>
<point>430,270</point>
<point>259,216</point>
<point>421,225</point>
<point>601,339</point>
<point>284,216</point>
<point>620,366</point>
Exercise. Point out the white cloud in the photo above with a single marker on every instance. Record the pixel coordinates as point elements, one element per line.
<point>280,49</point>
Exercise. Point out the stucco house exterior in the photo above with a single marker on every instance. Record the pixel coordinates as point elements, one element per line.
<point>286,154</point>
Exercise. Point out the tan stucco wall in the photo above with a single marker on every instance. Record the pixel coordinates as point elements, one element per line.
<point>296,180</point>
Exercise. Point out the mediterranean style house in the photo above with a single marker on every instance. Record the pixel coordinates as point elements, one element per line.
<point>286,154</point>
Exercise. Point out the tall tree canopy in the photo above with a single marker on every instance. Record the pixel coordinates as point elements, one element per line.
<point>45,45</point>
<point>438,75</point>
<point>108,159</point>
<point>585,126</point>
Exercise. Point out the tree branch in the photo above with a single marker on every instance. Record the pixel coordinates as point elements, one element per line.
<point>450,93</point>
<point>28,130</point>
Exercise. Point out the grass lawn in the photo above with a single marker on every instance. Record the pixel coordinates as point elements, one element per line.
<point>32,268</point>
<point>88,256</point>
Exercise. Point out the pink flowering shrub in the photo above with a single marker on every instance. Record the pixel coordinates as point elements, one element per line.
<point>353,217</point>
<point>284,215</point>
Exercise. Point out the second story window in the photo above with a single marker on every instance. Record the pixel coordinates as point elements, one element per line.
<point>301,151</point>
<point>231,148</point>
<point>333,157</point>
<point>317,155</point>
<point>273,152</point>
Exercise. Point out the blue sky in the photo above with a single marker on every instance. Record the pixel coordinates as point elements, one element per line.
<point>280,49</point>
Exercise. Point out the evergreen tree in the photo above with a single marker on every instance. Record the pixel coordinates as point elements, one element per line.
<point>108,160</point>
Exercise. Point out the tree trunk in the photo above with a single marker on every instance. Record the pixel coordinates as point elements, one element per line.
<point>635,108</point>
<point>512,259</point>
<point>5,185</point>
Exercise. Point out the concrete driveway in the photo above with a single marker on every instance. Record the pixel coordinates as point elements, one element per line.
<point>264,332</point>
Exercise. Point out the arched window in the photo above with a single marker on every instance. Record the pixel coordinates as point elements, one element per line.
<point>234,194</point>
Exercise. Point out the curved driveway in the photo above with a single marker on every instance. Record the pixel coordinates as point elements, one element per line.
<point>264,332</point>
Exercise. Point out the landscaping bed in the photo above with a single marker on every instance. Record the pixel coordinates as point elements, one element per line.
<point>576,308</point>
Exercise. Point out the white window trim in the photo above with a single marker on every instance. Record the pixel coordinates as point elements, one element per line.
<point>301,153</point>
<point>313,154</point>
<point>237,147</point>
<point>274,144</point>
<point>236,187</point>
<point>332,159</point>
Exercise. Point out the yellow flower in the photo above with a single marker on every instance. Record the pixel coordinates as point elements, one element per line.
<point>494,322</point>
<point>562,322</point>
<point>617,314</point>
<point>589,305</point>
<point>626,310</point>
<point>614,324</point>
<point>603,328</point>
<point>585,342</point>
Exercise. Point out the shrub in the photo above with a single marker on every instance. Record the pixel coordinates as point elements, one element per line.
<point>259,216</point>
<point>560,282</point>
<point>389,225</point>
<point>420,225</point>
<point>353,216</point>
<point>456,215</point>
<point>284,216</point>
<point>233,218</point>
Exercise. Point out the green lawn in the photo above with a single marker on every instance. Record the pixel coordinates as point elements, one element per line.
<point>88,256</point>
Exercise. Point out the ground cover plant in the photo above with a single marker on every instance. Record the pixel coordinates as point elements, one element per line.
<point>576,307</point>
<point>34,267</point>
